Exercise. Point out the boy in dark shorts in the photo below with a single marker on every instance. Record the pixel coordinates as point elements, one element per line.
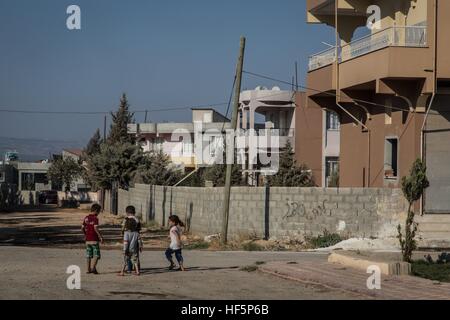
<point>93,238</point>
<point>132,242</point>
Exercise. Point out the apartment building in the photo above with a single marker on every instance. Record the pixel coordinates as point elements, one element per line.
<point>312,132</point>
<point>266,112</point>
<point>180,140</point>
<point>390,89</point>
<point>317,141</point>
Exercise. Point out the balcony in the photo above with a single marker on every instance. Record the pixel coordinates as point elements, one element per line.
<point>405,36</point>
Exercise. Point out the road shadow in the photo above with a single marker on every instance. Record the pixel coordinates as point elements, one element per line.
<point>150,271</point>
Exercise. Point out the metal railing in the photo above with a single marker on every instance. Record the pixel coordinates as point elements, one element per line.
<point>403,36</point>
<point>322,59</point>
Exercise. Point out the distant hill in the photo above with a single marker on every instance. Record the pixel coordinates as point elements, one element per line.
<point>35,149</point>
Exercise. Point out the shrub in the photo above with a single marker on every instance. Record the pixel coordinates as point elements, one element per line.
<point>326,240</point>
<point>251,246</point>
<point>413,188</point>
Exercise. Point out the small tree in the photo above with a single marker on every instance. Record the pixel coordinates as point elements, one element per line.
<point>217,175</point>
<point>120,121</point>
<point>115,163</point>
<point>413,188</point>
<point>64,171</point>
<point>289,173</point>
<point>156,170</point>
<point>93,146</point>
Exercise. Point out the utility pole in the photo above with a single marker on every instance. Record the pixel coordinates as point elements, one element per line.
<point>296,76</point>
<point>104,129</point>
<point>237,93</point>
<point>146,112</point>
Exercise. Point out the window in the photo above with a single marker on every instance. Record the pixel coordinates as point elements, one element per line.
<point>333,122</point>
<point>391,158</point>
<point>2,176</point>
<point>332,171</point>
<point>28,181</point>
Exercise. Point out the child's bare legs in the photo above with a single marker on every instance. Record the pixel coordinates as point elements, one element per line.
<point>137,268</point>
<point>94,265</point>
<point>125,265</point>
<point>89,265</point>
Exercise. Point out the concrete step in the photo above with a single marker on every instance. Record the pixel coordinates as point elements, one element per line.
<point>434,218</point>
<point>434,227</point>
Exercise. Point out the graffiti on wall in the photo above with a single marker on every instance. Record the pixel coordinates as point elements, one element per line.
<point>298,209</point>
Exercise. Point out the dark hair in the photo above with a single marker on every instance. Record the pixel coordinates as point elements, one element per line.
<point>96,208</point>
<point>176,220</point>
<point>130,210</point>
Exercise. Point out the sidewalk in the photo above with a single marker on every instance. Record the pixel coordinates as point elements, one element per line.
<point>354,281</point>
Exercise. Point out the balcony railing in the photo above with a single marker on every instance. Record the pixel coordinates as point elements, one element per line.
<point>405,36</point>
<point>322,59</point>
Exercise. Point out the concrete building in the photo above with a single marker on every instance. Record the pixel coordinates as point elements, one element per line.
<point>277,110</point>
<point>318,141</point>
<point>79,185</point>
<point>312,132</point>
<point>178,140</point>
<point>390,89</point>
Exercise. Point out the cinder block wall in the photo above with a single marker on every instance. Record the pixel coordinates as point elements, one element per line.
<point>292,212</point>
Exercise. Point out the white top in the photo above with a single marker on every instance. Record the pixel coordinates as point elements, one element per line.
<point>175,238</point>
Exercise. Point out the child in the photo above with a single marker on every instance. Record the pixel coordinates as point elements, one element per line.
<point>132,243</point>
<point>175,242</point>
<point>93,237</point>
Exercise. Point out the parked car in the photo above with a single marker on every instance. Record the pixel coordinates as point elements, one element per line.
<point>48,197</point>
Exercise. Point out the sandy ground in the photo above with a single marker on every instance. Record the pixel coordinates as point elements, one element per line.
<point>37,247</point>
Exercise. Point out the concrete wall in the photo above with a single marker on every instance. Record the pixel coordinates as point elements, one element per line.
<point>291,212</point>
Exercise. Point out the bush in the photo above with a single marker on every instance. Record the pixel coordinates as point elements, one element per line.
<point>324,241</point>
<point>432,271</point>
<point>251,246</point>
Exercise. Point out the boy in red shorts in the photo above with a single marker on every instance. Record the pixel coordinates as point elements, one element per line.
<point>93,238</point>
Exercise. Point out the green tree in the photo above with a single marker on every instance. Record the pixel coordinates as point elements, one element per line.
<point>63,172</point>
<point>217,174</point>
<point>93,146</point>
<point>115,163</point>
<point>413,188</point>
<point>156,170</point>
<point>120,121</point>
<point>289,173</point>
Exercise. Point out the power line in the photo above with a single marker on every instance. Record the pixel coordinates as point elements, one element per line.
<point>162,109</point>
<point>324,92</point>
<point>229,101</point>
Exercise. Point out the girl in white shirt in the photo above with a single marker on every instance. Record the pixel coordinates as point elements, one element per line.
<point>175,246</point>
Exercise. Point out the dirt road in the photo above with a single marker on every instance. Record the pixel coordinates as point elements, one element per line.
<point>37,247</point>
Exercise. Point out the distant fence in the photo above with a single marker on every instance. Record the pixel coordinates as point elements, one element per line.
<point>273,212</point>
<point>9,197</point>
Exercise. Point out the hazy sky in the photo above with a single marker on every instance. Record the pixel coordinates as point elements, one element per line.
<point>161,53</point>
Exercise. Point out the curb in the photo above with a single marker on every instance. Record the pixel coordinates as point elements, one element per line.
<point>387,268</point>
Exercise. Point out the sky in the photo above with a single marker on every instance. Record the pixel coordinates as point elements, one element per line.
<point>162,54</point>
